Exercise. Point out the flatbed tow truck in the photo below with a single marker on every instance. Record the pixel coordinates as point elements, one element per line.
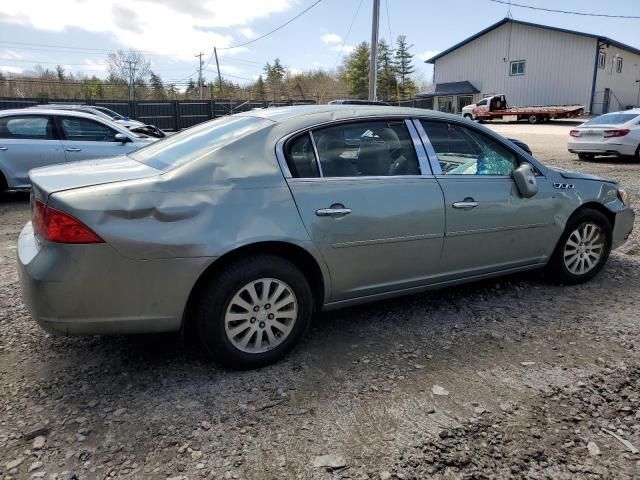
<point>495,107</point>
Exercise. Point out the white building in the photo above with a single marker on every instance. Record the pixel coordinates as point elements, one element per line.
<point>537,65</point>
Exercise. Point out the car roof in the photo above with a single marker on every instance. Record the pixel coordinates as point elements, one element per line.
<point>283,114</point>
<point>48,111</point>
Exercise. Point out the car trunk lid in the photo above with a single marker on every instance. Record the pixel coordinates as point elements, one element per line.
<point>68,176</point>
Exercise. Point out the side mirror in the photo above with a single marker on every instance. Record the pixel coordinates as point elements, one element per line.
<point>122,138</point>
<point>525,179</point>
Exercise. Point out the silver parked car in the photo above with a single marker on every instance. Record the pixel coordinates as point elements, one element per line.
<point>31,138</point>
<point>240,228</point>
<point>103,112</point>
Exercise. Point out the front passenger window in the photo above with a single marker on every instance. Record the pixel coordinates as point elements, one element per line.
<point>83,129</point>
<point>464,151</point>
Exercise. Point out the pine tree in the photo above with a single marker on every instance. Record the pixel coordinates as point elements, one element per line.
<point>60,72</point>
<point>191,87</point>
<point>157,88</point>
<point>387,70</point>
<point>357,71</point>
<point>405,67</point>
<point>260,93</point>
<point>275,74</point>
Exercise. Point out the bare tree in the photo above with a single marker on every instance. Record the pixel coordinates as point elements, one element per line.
<point>128,65</point>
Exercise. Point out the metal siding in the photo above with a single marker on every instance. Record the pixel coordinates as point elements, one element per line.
<point>624,89</point>
<point>558,70</point>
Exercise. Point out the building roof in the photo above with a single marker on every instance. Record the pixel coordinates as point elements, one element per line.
<point>608,40</point>
<point>450,88</point>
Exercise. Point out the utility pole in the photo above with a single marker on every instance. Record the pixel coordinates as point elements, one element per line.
<point>132,78</point>
<point>215,53</point>
<point>373,68</point>
<point>199,55</point>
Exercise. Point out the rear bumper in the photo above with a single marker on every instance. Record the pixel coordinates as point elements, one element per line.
<point>601,148</point>
<point>623,227</point>
<point>91,289</point>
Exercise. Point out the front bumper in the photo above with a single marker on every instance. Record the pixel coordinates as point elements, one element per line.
<point>623,227</point>
<point>91,289</point>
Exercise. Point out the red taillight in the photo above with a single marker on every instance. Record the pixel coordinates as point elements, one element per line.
<point>56,226</point>
<point>620,132</point>
<point>574,133</point>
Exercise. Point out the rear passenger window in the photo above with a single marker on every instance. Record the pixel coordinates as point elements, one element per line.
<point>301,159</point>
<point>366,149</point>
<point>26,127</point>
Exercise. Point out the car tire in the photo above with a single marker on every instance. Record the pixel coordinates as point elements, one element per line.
<point>587,237</point>
<point>225,315</point>
<point>586,156</point>
<point>468,116</point>
<point>3,184</point>
<point>533,119</point>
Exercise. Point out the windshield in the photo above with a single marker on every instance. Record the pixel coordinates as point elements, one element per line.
<point>613,119</point>
<point>110,113</point>
<point>197,142</point>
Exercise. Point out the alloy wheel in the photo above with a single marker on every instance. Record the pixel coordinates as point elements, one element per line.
<point>261,315</point>
<point>584,248</point>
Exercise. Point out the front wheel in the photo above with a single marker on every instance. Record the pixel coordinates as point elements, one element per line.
<point>468,116</point>
<point>583,248</point>
<point>254,312</point>
<point>586,156</point>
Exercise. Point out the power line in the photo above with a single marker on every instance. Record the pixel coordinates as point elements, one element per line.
<point>585,14</point>
<point>386,6</point>
<point>344,42</point>
<point>275,29</point>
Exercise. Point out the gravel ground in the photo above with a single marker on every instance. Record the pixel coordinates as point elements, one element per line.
<point>509,378</point>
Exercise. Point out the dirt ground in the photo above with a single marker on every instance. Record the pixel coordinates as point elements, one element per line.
<point>512,378</point>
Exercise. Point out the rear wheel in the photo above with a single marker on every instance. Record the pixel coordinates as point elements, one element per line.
<point>254,312</point>
<point>586,156</point>
<point>583,248</point>
<point>533,119</point>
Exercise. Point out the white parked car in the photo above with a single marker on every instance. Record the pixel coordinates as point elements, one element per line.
<point>616,133</point>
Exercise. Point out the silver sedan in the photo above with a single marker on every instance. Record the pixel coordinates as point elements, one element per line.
<point>36,137</point>
<point>242,227</point>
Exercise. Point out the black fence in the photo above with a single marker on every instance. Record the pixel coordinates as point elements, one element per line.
<point>176,115</point>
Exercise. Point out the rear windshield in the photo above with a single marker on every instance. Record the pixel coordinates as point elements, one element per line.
<point>197,142</point>
<point>612,119</point>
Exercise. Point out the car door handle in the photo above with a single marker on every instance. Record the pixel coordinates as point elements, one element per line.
<point>73,149</point>
<point>333,212</point>
<point>4,149</point>
<point>467,203</point>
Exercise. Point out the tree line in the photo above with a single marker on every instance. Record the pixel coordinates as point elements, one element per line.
<point>130,75</point>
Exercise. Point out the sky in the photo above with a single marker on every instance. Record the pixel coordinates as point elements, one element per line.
<point>78,34</point>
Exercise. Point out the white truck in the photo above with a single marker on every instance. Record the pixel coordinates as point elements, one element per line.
<point>495,107</point>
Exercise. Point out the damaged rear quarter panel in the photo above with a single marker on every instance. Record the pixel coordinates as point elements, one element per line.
<point>230,198</point>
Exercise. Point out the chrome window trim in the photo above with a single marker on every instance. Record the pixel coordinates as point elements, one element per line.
<point>360,178</point>
<point>316,154</point>
<point>474,176</point>
<point>431,153</point>
<point>282,160</point>
<point>423,159</point>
